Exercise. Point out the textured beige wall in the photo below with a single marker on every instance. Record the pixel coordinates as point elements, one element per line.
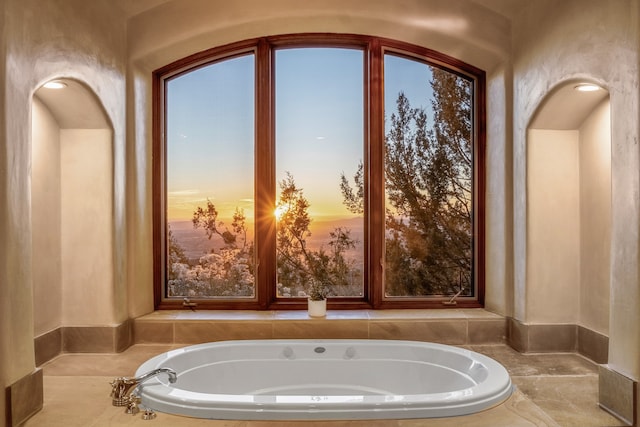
<point>44,40</point>
<point>139,206</point>
<point>179,28</point>
<point>559,41</point>
<point>553,245</point>
<point>45,207</point>
<point>86,158</point>
<point>595,219</point>
<point>498,196</point>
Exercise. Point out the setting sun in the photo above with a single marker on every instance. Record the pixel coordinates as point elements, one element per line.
<point>279,211</point>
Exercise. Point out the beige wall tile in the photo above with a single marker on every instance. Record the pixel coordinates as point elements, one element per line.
<point>227,315</point>
<point>88,339</point>
<point>552,338</point>
<point>200,332</point>
<point>124,336</point>
<point>25,397</point>
<point>47,346</point>
<point>517,335</point>
<point>320,328</point>
<point>152,332</point>
<point>453,313</point>
<point>617,393</point>
<point>487,331</point>
<point>439,331</point>
<point>593,345</point>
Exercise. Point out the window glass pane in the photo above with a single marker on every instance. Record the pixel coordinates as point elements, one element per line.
<point>319,140</point>
<point>428,180</point>
<point>210,181</point>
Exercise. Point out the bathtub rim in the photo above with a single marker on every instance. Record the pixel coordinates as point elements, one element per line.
<point>491,392</point>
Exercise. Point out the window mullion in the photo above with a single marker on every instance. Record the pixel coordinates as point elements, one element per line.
<point>375,183</point>
<point>265,185</point>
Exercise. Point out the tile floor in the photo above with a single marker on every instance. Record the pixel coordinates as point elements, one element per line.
<point>552,390</point>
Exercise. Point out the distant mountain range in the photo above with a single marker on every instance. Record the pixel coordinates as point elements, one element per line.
<point>195,243</point>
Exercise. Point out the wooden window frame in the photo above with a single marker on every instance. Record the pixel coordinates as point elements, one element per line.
<point>265,188</point>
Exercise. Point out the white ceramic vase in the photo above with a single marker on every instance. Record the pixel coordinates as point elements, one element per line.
<point>317,308</point>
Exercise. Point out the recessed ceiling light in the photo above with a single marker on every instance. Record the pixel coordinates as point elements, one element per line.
<point>55,84</point>
<point>587,87</point>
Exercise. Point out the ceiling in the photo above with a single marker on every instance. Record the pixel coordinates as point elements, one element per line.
<point>135,7</point>
<point>507,8</point>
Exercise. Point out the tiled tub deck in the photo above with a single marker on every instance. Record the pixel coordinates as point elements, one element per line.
<point>552,389</point>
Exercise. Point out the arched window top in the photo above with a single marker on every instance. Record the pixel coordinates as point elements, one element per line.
<point>351,161</point>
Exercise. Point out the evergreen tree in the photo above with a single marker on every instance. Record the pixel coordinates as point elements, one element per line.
<point>296,263</point>
<point>428,182</point>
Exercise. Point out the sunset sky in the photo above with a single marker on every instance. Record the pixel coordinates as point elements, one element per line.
<point>319,127</point>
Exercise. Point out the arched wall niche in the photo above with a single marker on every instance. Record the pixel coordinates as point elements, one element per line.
<point>72,208</point>
<point>569,209</point>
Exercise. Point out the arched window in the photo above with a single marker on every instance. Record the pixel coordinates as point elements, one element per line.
<point>354,161</point>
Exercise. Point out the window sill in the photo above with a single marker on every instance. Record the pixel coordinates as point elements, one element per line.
<point>251,315</point>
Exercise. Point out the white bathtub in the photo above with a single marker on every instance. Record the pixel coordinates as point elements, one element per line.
<point>324,379</point>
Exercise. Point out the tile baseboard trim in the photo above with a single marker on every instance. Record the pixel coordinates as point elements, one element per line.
<point>593,345</point>
<point>25,398</point>
<point>562,338</point>
<point>97,339</point>
<point>48,346</point>
<point>83,339</point>
<point>618,394</point>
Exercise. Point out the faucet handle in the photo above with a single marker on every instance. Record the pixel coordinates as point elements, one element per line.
<point>148,414</point>
<point>132,407</point>
<point>120,388</point>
